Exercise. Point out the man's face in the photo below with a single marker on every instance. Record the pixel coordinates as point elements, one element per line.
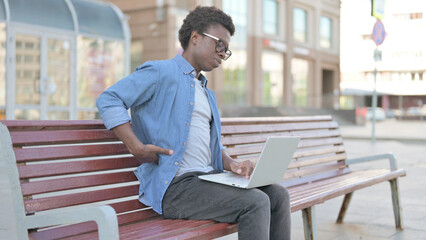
<point>210,52</point>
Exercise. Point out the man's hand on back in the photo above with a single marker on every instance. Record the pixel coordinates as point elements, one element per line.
<point>144,153</point>
<point>149,153</point>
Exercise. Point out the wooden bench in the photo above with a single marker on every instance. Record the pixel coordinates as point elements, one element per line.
<point>73,179</point>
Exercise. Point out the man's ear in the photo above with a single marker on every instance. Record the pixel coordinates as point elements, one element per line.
<point>195,38</point>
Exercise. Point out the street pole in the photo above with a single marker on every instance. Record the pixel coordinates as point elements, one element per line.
<point>374,104</point>
<point>378,36</point>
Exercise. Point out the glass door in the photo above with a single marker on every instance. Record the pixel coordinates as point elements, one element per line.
<point>42,77</point>
<point>27,77</point>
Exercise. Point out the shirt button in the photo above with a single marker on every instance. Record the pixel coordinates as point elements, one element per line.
<point>166,182</point>
<point>187,124</point>
<point>184,144</point>
<point>176,163</point>
<point>191,103</point>
<point>192,85</point>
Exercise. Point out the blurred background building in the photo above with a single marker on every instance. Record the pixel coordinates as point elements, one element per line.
<point>401,76</point>
<point>290,57</point>
<point>285,53</point>
<point>57,56</point>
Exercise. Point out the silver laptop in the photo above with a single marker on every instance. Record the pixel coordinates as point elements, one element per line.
<point>270,168</point>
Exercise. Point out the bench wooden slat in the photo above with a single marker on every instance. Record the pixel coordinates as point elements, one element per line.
<point>207,232</point>
<point>54,185</point>
<point>330,184</point>
<point>374,178</point>
<point>314,170</point>
<point>263,128</point>
<point>28,138</point>
<point>263,120</point>
<point>316,161</point>
<point>259,138</point>
<point>165,228</point>
<point>312,178</point>
<point>336,183</point>
<point>239,151</point>
<point>257,148</point>
<point>128,205</point>
<point>34,125</point>
<point>41,204</point>
<point>154,229</point>
<point>67,152</point>
<point>313,152</point>
<point>320,142</point>
<point>64,168</point>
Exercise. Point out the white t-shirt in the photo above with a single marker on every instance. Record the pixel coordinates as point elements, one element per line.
<point>197,156</point>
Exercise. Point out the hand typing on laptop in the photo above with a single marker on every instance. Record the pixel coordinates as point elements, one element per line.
<point>244,168</point>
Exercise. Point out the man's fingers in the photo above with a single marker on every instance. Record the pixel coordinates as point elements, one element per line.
<point>159,150</point>
<point>248,169</point>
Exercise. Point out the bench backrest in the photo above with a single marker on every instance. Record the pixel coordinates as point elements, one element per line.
<point>69,163</point>
<point>320,153</point>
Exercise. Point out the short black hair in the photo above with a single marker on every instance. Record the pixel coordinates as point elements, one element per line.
<point>200,19</point>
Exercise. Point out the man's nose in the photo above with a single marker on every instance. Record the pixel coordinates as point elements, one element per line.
<point>222,55</point>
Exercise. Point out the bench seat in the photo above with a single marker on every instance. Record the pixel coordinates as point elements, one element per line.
<point>57,166</point>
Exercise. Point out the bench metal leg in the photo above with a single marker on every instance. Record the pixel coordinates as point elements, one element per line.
<point>344,207</point>
<point>309,223</point>
<point>397,208</point>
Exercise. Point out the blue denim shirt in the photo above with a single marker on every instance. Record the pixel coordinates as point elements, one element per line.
<point>160,95</point>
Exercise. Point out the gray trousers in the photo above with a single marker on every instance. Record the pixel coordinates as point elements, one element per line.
<point>262,213</point>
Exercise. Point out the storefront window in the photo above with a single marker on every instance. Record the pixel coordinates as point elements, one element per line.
<point>100,64</point>
<point>234,85</point>
<point>300,25</point>
<point>235,80</point>
<point>28,66</point>
<point>2,70</point>
<point>325,32</point>
<point>300,74</point>
<point>136,50</point>
<point>272,66</point>
<point>270,17</point>
<point>58,68</point>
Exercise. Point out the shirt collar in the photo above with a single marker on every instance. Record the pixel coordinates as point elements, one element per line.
<point>203,80</point>
<point>184,65</point>
<point>187,69</point>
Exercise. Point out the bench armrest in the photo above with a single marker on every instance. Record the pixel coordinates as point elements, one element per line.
<point>104,216</point>
<point>388,156</point>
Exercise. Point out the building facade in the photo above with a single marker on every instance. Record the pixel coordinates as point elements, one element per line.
<point>285,53</point>
<point>401,71</point>
<point>57,56</point>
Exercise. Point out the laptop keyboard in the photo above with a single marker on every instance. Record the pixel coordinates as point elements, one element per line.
<point>237,179</point>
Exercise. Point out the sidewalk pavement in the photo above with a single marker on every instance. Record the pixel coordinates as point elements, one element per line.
<point>391,129</point>
<point>370,214</point>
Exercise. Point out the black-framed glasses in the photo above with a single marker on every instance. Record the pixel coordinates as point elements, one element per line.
<point>220,46</point>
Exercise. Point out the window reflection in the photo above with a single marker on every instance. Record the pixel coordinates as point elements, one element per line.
<point>270,17</point>
<point>300,25</point>
<point>325,32</point>
<point>58,68</point>
<point>300,74</point>
<point>100,64</point>
<point>272,65</point>
<point>27,86</point>
<point>27,114</point>
<point>234,84</point>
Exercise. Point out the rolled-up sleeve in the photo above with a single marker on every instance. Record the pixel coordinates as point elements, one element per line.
<point>133,90</point>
